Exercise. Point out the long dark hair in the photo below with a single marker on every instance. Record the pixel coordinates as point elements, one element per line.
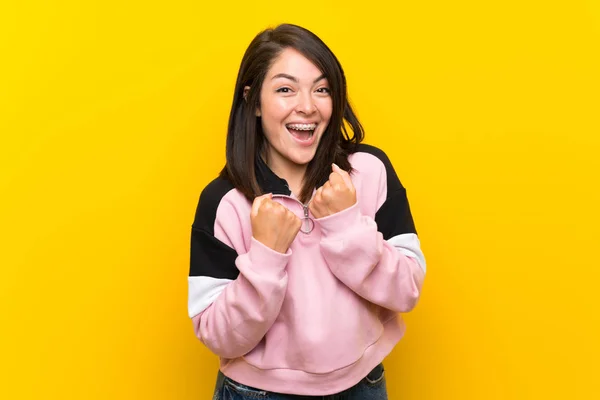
<point>245,138</point>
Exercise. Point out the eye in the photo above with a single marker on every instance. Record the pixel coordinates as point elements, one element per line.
<point>284,90</point>
<point>324,90</point>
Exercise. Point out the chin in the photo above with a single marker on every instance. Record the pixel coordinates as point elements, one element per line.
<point>301,159</point>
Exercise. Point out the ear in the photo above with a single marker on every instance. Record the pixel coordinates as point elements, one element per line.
<point>246,90</point>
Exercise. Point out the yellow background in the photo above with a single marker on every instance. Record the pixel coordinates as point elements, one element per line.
<point>113,118</point>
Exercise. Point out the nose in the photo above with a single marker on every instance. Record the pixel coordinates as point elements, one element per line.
<point>306,104</point>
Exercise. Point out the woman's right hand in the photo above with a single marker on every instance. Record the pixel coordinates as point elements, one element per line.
<point>273,224</point>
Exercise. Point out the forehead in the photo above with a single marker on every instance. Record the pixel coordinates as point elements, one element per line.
<point>292,62</point>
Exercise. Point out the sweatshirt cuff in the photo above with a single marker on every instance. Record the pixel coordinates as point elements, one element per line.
<point>266,258</point>
<point>339,222</point>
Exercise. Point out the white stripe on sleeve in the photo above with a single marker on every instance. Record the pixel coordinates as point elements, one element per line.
<point>202,292</point>
<point>410,245</point>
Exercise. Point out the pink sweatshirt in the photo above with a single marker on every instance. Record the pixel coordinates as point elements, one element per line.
<point>316,320</point>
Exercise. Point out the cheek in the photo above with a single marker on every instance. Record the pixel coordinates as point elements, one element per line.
<point>273,115</point>
<point>274,109</point>
<point>326,107</point>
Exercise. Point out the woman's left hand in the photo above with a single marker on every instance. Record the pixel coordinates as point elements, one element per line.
<point>336,195</point>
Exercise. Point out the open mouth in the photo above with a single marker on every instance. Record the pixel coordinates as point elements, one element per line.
<point>302,132</point>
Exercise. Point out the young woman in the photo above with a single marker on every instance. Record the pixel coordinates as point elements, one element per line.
<point>304,250</point>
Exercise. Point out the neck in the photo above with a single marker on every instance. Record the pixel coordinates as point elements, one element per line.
<point>291,172</point>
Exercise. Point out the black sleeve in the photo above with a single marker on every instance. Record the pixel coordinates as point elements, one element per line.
<point>393,217</point>
<point>209,257</point>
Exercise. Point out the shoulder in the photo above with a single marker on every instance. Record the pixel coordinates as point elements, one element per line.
<point>373,160</point>
<point>210,199</point>
<point>378,153</point>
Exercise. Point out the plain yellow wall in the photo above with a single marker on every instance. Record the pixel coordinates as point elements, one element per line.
<point>113,118</point>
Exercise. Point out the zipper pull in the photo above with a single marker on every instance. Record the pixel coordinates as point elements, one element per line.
<point>307,223</point>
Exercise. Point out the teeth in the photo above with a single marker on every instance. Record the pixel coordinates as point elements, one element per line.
<point>302,127</point>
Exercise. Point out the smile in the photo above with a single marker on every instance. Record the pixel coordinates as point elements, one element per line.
<point>302,133</point>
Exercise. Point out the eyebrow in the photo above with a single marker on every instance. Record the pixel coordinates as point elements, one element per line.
<point>294,79</point>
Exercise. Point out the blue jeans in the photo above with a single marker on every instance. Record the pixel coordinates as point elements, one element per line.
<point>371,387</point>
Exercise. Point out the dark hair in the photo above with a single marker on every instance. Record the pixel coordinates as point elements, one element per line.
<point>245,138</point>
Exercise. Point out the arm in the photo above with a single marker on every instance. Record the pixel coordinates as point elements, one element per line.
<point>233,299</point>
<point>380,259</point>
<point>241,310</point>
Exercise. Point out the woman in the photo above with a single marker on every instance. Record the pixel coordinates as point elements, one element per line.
<point>304,250</point>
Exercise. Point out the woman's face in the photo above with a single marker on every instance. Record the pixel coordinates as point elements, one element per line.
<point>295,109</point>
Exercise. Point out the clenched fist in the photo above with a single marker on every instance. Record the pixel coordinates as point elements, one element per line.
<point>273,224</point>
<point>337,194</point>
